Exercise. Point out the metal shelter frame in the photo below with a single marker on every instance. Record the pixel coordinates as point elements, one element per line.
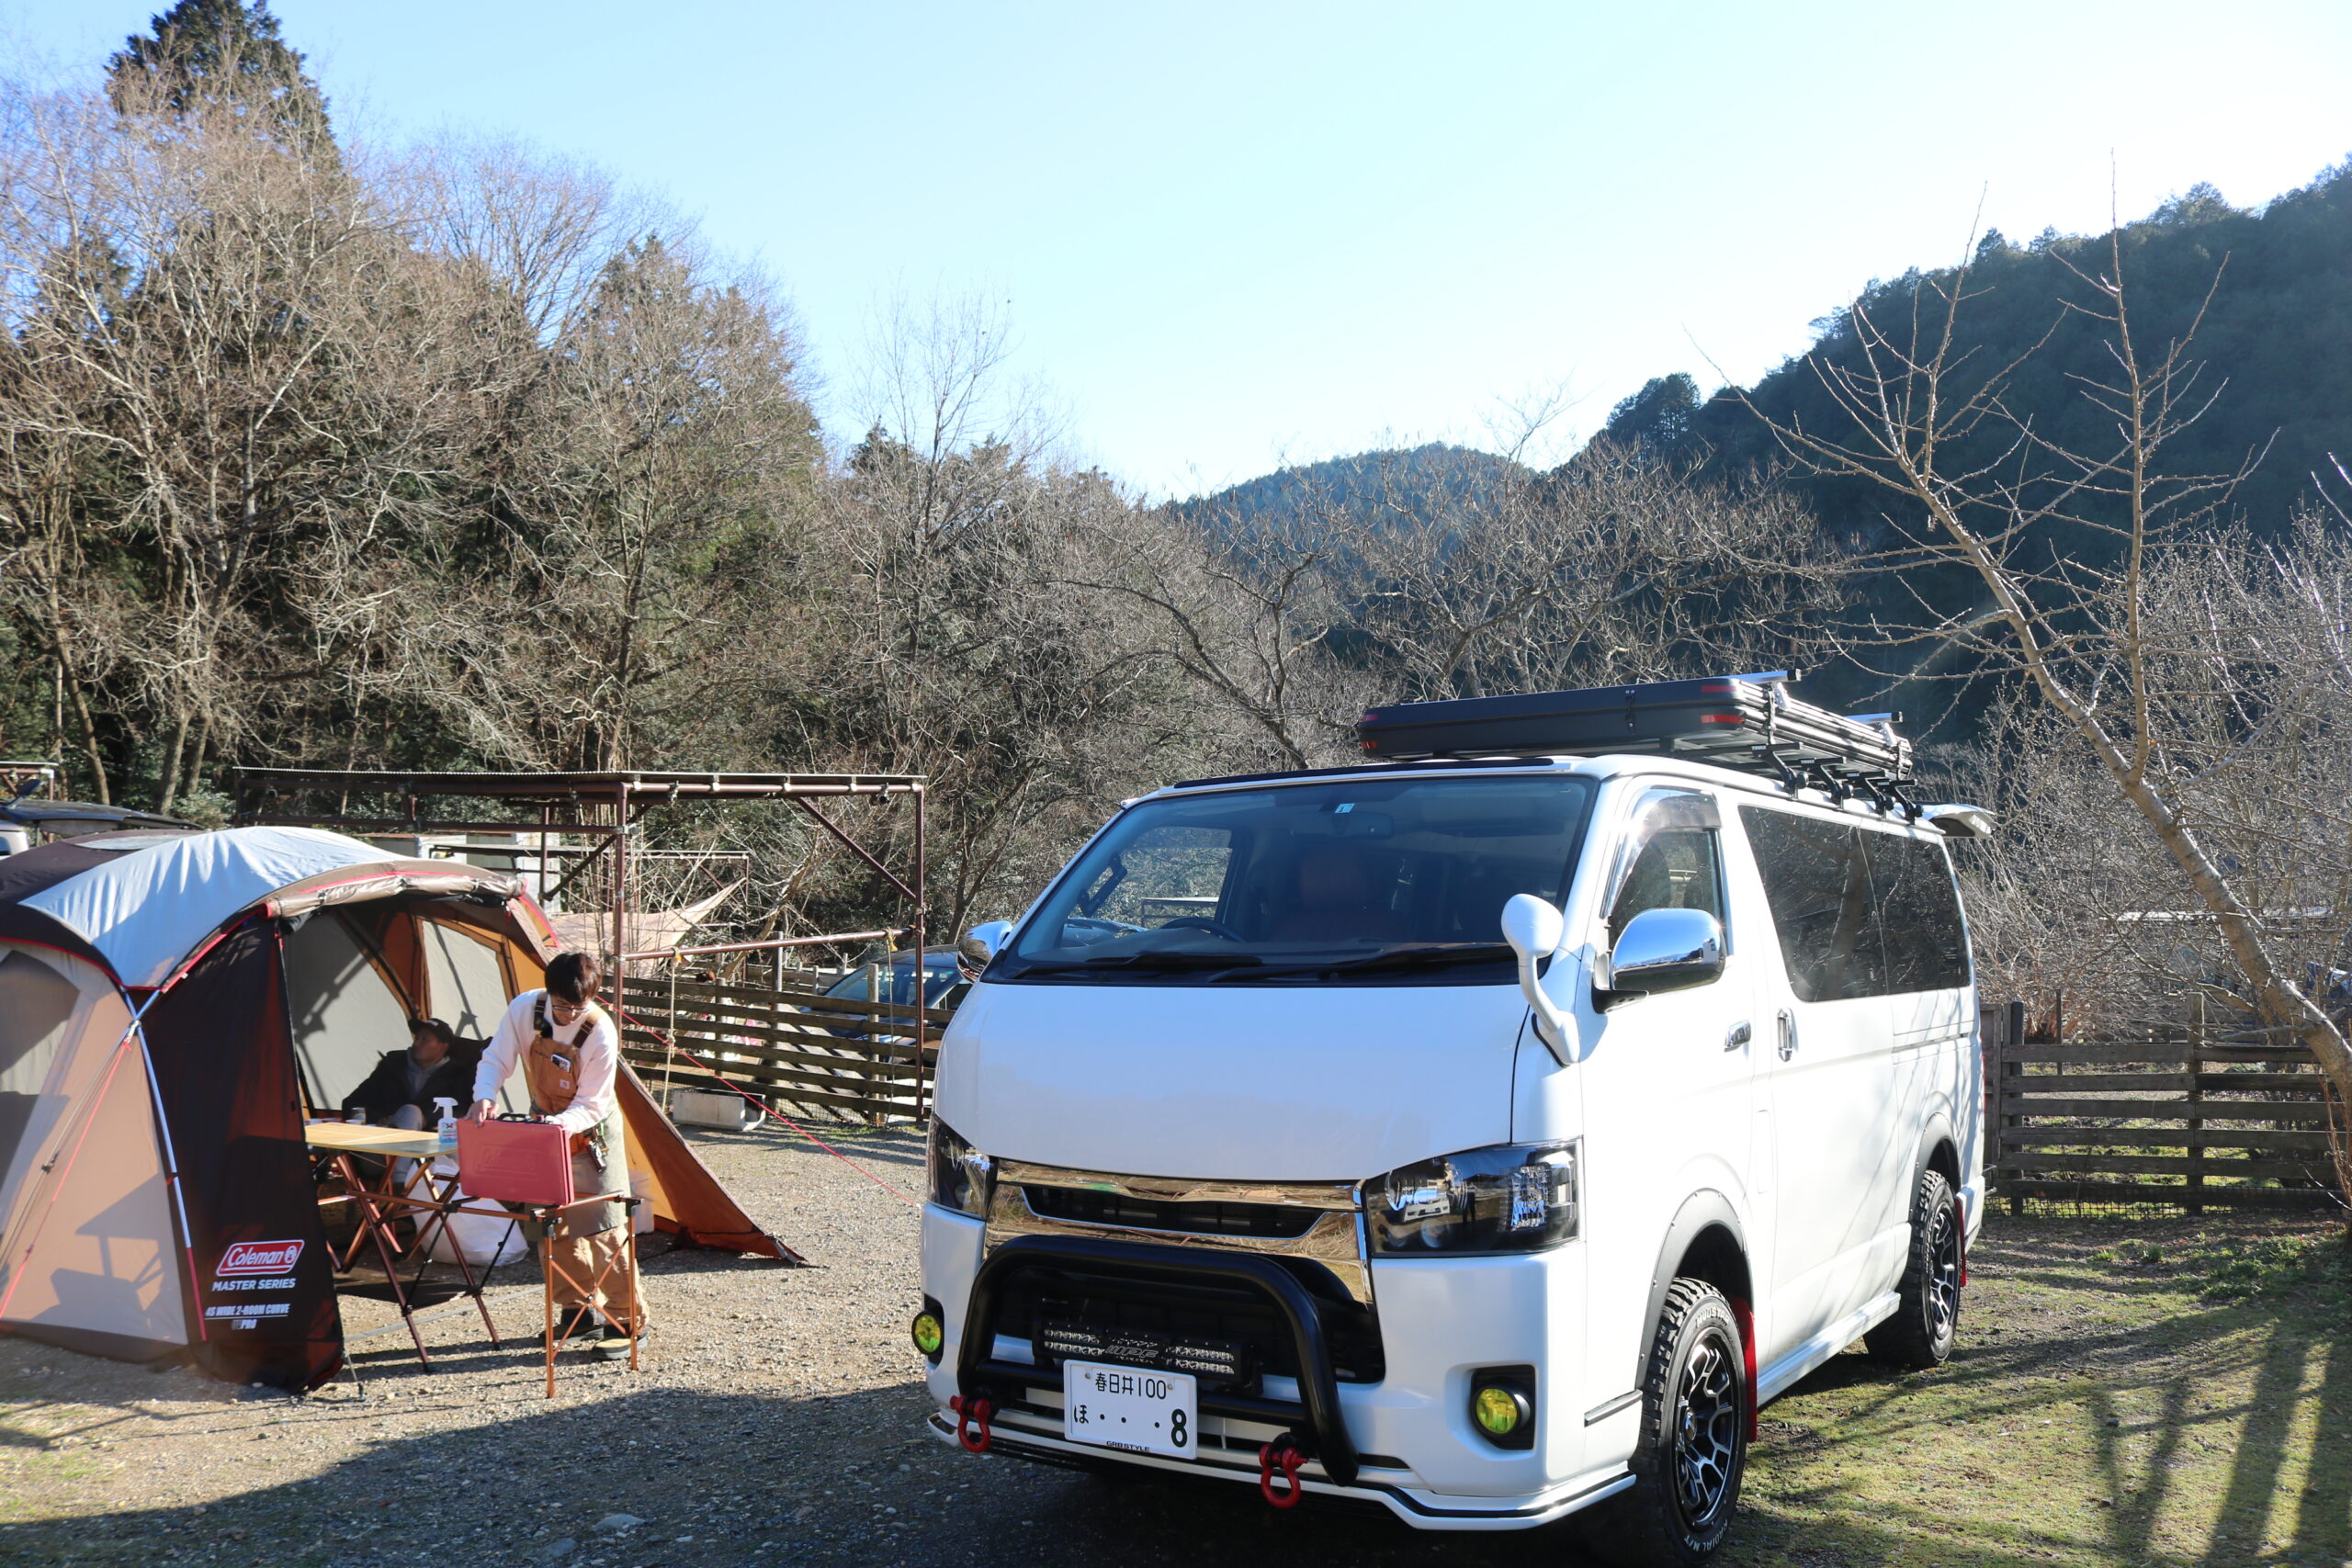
<point>594,803</point>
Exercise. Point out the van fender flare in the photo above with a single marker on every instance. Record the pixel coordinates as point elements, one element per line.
<point>1934,1129</point>
<point>1703,1211</point>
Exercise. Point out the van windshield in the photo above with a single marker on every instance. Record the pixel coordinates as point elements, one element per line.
<point>1381,880</point>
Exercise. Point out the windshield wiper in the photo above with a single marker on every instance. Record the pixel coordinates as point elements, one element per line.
<point>1170,963</point>
<point>1437,956</point>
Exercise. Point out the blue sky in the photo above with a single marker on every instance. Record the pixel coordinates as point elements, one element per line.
<point>1232,235</point>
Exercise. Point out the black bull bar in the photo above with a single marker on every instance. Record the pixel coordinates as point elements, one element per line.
<point>1315,1416</point>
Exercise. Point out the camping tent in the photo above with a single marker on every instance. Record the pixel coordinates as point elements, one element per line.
<point>172,1004</point>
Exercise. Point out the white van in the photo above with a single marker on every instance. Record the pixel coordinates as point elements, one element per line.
<point>1485,1136</point>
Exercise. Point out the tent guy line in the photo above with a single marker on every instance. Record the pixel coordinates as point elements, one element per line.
<point>900,1193</point>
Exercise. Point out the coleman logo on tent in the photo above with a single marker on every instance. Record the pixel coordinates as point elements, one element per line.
<point>259,1258</point>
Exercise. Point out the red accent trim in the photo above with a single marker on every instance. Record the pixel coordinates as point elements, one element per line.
<point>1722,718</point>
<point>1285,1453</point>
<point>1714,688</point>
<point>195,1283</point>
<point>966,1418</point>
<point>1744,1315</point>
<point>90,957</point>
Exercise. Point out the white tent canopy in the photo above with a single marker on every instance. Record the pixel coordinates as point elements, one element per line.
<point>144,909</point>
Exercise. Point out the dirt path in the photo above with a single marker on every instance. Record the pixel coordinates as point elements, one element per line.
<point>2105,1408</point>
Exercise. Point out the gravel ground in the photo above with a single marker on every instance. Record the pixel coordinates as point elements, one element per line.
<point>778,1420</point>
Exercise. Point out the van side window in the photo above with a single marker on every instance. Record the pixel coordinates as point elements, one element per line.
<point>1927,944</point>
<point>1818,885</point>
<point>1679,863</point>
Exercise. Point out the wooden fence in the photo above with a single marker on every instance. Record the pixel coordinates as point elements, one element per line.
<point>800,1050</point>
<point>2176,1118</point>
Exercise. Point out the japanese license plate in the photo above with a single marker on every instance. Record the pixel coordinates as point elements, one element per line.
<point>1127,1408</point>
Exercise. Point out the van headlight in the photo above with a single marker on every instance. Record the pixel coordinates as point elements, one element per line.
<point>1509,1198</point>
<point>961,1177</point>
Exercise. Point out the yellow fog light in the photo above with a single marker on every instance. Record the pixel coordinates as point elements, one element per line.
<point>929,1334</point>
<point>1498,1411</point>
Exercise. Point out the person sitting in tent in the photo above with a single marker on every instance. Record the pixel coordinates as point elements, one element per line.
<point>570,1054</point>
<point>401,1092</point>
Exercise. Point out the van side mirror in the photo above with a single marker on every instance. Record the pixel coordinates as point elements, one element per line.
<point>990,934</point>
<point>1665,950</point>
<point>1533,928</point>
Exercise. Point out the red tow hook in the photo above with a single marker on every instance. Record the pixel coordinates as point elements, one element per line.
<point>968,1415</point>
<point>1281,1451</point>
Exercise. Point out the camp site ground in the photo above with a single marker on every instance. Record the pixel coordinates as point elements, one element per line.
<point>2132,1389</point>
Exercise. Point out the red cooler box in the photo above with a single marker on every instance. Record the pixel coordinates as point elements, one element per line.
<point>514,1162</point>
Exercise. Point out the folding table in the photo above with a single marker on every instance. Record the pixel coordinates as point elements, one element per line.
<point>380,1203</point>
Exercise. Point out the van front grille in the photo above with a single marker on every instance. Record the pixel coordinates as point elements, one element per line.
<point>1316,1227</point>
<point>1066,1307</point>
<point>1266,1221</point>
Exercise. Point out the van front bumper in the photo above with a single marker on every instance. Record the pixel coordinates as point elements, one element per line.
<point>1416,1505</point>
<point>1406,1441</point>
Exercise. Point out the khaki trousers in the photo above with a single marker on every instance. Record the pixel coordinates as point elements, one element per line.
<point>592,1240</point>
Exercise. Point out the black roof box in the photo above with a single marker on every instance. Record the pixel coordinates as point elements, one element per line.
<point>1742,721</point>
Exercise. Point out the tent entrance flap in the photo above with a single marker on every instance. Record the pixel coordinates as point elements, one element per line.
<point>345,1014</point>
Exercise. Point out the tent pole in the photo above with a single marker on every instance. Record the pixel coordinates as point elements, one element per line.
<point>171,1163</point>
<point>620,893</point>
<point>922,888</point>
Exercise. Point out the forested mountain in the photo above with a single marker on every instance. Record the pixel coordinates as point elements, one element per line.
<point>1423,483</point>
<point>2269,292</point>
<point>2266,293</point>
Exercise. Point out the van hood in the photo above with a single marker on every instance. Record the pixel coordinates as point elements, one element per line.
<point>1315,1083</point>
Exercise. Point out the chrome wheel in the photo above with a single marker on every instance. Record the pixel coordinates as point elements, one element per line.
<point>1707,1430</point>
<point>1943,1273</point>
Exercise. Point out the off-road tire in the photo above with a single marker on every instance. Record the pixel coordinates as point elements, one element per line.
<point>1925,1325</point>
<point>1693,1445</point>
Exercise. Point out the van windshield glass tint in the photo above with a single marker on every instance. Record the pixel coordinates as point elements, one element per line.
<point>1382,880</point>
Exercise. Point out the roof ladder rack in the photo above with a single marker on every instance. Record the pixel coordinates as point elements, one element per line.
<point>1748,722</point>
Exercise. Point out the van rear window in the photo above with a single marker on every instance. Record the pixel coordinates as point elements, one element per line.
<point>1858,913</point>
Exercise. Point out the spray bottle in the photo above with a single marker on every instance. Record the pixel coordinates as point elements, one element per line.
<point>448,1127</point>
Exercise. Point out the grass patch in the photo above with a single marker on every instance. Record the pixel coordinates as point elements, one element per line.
<point>2171,1392</point>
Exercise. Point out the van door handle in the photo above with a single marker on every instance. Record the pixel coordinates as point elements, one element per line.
<point>1788,1036</point>
<point>1740,1035</point>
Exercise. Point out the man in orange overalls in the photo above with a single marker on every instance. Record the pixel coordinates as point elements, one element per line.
<point>570,1054</point>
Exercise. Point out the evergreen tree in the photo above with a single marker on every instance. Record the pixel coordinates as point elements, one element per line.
<point>222,54</point>
<point>1657,422</point>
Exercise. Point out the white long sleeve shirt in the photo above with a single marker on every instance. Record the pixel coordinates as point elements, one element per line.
<point>597,1060</point>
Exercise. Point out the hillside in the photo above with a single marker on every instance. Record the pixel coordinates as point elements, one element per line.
<point>1422,482</point>
<point>2269,355</point>
<point>2271,352</point>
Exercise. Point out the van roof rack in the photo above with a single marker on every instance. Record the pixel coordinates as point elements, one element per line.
<point>1749,722</point>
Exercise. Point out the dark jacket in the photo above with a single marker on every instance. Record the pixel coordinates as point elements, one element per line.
<point>386,1090</point>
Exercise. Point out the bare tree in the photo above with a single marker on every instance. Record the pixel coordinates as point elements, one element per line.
<point>213,322</point>
<point>2092,622</point>
<point>1609,568</point>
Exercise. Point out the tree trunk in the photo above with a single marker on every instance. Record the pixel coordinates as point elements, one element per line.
<point>168,777</point>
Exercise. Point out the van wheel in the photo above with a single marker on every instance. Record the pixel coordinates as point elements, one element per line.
<point>1921,1332</point>
<point>1693,1444</point>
